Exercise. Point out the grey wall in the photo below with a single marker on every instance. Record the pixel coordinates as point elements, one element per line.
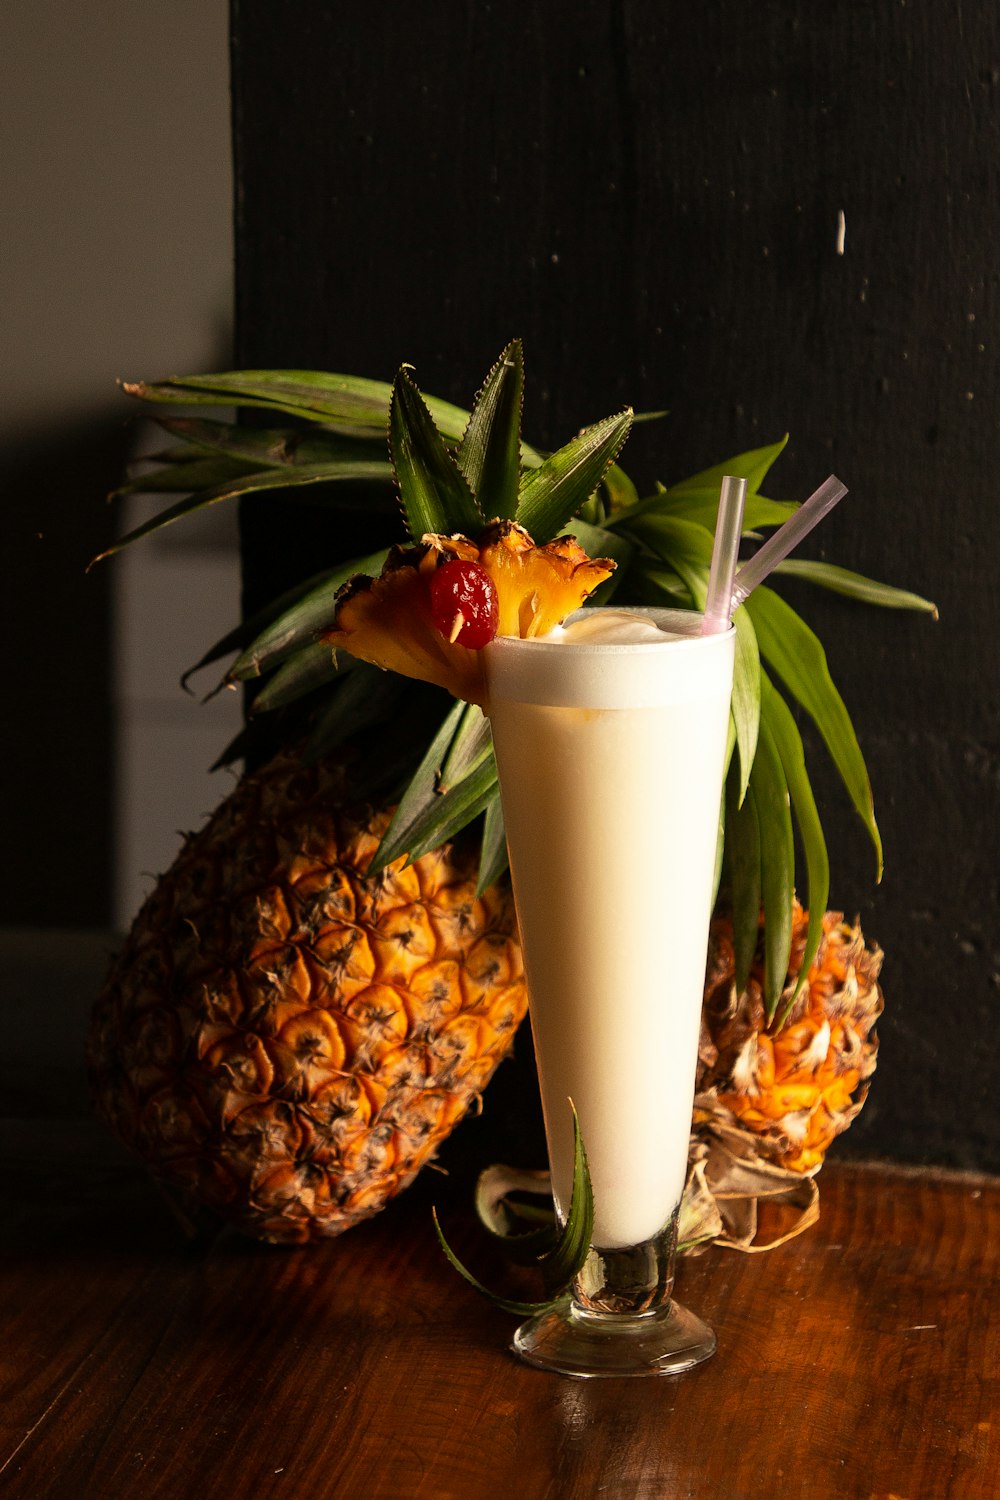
<point>115,197</point>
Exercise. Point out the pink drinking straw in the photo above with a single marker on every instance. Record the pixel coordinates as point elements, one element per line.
<point>725,550</point>
<point>778,546</point>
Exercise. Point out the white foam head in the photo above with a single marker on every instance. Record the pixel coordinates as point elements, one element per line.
<point>609,658</point>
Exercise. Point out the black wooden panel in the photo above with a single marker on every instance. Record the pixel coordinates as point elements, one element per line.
<point>649,193</point>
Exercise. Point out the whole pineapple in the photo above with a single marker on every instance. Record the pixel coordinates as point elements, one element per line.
<point>287,1041</point>
<point>798,1084</point>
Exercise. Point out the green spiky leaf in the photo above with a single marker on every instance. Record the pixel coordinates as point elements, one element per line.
<point>788,743</point>
<point>430,812</point>
<point>269,448</point>
<point>452,811</point>
<point>697,498</point>
<point>493,850</point>
<point>562,1263</point>
<point>662,544</point>
<point>471,745</point>
<point>777,863</point>
<point>421,793</point>
<point>743,859</point>
<point>553,493</point>
<point>248,630</point>
<point>505,1304</point>
<point>187,477</point>
<point>720,839</point>
<point>856,586</point>
<point>301,623</point>
<point>433,491</point>
<point>349,404</point>
<point>746,696</point>
<point>250,484</point>
<point>310,667</point>
<point>490,453</point>
<point>363,696</point>
<point>795,653</point>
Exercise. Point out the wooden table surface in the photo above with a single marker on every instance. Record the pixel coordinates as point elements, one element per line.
<point>860,1360</point>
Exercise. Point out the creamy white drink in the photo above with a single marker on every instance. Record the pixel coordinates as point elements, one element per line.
<point>610,737</point>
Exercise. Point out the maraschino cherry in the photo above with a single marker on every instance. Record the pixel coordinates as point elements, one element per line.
<point>464,603</point>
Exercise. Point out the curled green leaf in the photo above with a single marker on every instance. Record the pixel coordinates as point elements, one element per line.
<point>560,1262</point>
<point>505,1304</point>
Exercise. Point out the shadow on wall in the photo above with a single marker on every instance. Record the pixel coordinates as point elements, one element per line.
<point>57,750</point>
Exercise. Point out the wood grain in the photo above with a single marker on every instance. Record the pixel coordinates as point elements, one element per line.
<point>858,1362</point>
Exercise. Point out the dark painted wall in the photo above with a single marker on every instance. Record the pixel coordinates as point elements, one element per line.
<point>56,724</point>
<point>649,193</point>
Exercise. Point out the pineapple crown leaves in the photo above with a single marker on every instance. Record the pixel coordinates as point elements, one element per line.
<point>434,494</point>
<point>483,481</point>
<point>453,469</point>
<point>345,441</point>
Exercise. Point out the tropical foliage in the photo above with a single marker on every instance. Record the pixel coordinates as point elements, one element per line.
<point>453,471</point>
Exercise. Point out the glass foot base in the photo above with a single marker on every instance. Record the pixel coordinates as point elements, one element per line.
<point>586,1344</point>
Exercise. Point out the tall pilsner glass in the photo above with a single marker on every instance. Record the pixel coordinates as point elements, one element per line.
<point>610,742</point>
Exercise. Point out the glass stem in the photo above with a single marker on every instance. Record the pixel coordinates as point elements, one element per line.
<point>634,1280</point>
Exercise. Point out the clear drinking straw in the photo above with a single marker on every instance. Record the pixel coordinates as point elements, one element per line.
<point>778,546</point>
<point>728,526</point>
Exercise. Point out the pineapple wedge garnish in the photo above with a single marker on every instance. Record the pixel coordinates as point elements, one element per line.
<point>389,620</point>
<point>537,587</point>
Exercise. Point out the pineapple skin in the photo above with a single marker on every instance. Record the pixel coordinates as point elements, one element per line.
<point>798,1087</point>
<point>286,1041</point>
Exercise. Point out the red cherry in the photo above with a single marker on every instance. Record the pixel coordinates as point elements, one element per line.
<point>464,603</point>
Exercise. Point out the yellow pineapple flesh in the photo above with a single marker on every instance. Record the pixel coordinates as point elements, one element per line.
<point>287,1041</point>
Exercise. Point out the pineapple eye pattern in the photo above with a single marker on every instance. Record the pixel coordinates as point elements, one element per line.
<point>464,604</point>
